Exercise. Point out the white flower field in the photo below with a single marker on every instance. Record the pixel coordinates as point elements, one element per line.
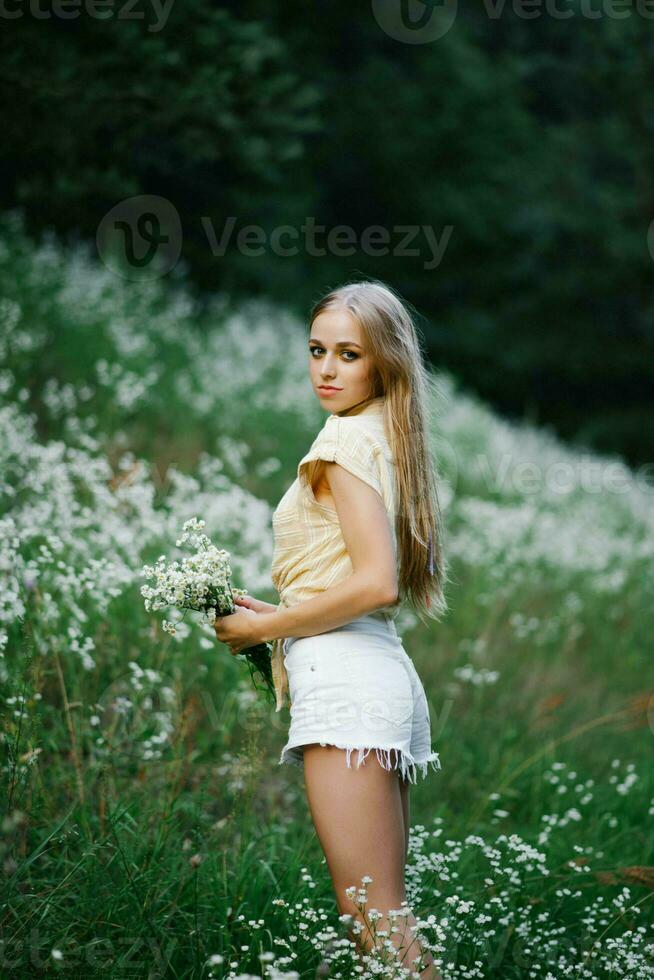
<point>147,828</point>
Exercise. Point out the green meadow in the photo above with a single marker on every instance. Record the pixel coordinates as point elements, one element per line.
<point>147,827</point>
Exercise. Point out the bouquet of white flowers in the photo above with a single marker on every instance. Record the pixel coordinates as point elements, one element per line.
<point>201,582</point>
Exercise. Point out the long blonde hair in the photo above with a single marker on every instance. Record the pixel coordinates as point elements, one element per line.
<point>408,387</point>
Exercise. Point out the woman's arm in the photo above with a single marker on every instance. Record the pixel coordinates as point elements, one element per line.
<point>373,583</point>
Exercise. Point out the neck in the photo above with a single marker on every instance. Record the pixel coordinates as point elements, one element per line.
<point>348,411</point>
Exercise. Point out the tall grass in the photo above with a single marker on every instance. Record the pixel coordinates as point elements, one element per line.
<point>148,829</point>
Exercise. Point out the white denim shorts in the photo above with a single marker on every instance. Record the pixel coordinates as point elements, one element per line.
<point>355,687</point>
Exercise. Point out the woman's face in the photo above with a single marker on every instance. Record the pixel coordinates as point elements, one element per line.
<point>337,358</point>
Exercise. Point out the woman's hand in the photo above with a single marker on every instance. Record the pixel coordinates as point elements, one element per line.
<point>238,629</point>
<point>256,605</point>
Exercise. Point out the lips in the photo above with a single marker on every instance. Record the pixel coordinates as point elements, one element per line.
<point>328,388</point>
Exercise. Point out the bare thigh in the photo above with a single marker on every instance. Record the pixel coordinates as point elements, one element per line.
<point>359,820</point>
<point>404,796</point>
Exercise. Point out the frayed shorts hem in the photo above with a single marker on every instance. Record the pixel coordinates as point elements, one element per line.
<point>293,753</point>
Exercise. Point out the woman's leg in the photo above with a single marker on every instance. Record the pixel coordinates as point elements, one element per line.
<point>359,820</point>
<point>404,795</point>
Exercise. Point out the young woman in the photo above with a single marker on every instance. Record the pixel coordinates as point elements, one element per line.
<point>357,532</point>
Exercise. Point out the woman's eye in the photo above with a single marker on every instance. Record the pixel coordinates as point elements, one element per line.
<point>354,356</point>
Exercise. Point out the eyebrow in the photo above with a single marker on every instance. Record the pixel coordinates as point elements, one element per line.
<point>340,343</point>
